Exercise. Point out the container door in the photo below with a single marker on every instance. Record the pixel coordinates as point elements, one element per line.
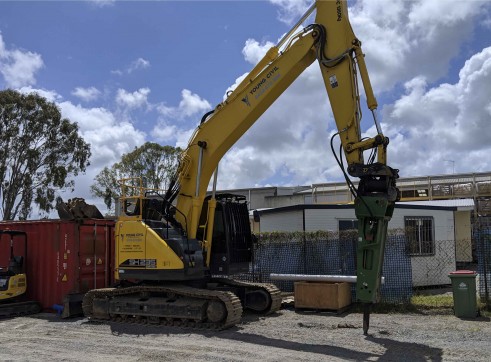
<point>95,255</point>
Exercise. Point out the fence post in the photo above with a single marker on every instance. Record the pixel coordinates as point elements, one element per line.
<point>485,269</point>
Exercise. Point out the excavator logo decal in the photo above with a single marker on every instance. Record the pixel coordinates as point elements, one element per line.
<point>265,83</point>
<point>333,81</point>
<point>246,100</point>
<point>338,10</point>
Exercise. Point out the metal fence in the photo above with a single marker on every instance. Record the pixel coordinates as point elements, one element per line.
<point>482,241</point>
<point>404,271</point>
<point>329,254</point>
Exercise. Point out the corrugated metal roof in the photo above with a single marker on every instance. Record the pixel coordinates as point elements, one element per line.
<point>321,189</point>
<point>460,204</point>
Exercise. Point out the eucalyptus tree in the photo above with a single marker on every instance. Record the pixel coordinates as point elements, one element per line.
<point>153,163</point>
<point>40,153</point>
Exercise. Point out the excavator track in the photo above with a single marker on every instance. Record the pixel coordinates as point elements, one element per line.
<point>176,305</point>
<point>19,309</point>
<point>266,288</point>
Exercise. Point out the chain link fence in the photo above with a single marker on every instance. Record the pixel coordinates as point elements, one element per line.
<point>405,271</point>
<point>328,253</point>
<point>482,247</point>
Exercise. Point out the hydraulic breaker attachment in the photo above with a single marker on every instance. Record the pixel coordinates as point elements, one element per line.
<point>366,317</point>
<point>373,213</point>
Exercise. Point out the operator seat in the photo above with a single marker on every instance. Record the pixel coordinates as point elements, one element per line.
<point>15,265</point>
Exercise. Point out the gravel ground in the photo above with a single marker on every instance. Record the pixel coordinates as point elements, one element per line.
<point>284,336</point>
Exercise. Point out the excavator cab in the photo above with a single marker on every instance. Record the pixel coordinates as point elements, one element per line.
<point>231,249</point>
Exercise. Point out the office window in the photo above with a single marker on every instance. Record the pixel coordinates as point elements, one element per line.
<point>420,235</point>
<point>344,225</point>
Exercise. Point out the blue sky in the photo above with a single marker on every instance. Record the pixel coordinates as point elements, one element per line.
<point>186,44</point>
<point>129,72</point>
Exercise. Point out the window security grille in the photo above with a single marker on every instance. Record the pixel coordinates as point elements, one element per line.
<point>420,235</point>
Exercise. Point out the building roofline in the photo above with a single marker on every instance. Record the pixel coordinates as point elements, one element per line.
<point>301,207</point>
<point>446,177</point>
<point>263,188</point>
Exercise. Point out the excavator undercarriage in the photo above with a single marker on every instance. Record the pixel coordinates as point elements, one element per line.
<point>219,305</point>
<point>15,309</point>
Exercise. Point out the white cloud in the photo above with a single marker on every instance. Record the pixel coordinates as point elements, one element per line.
<point>289,143</point>
<point>136,99</point>
<point>102,3</point>
<point>192,104</point>
<point>291,10</point>
<point>243,166</point>
<point>183,137</point>
<point>254,51</point>
<point>165,132</point>
<point>117,72</point>
<point>18,67</point>
<point>86,94</point>
<point>404,39</point>
<point>2,47</point>
<point>486,22</point>
<point>137,64</point>
<point>189,105</point>
<point>446,122</point>
<point>291,140</point>
<point>109,138</point>
<point>50,95</point>
<point>140,63</point>
<point>234,86</point>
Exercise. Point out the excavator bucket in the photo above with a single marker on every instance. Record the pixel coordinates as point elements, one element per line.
<point>76,209</point>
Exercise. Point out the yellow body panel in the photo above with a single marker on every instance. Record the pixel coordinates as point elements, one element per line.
<point>142,248</point>
<point>17,286</point>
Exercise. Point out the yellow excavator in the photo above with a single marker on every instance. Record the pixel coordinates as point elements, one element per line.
<point>176,250</point>
<point>13,278</point>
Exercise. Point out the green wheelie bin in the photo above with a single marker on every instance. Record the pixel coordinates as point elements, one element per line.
<point>464,293</point>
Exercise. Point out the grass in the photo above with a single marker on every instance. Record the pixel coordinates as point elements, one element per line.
<point>443,302</point>
<point>432,301</point>
<point>425,304</point>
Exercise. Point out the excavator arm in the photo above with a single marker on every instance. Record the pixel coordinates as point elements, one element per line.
<point>330,41</point>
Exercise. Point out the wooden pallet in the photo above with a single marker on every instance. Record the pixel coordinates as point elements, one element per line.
<point>322,296</point>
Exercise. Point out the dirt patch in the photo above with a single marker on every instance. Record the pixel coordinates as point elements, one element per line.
<point>284,336</point>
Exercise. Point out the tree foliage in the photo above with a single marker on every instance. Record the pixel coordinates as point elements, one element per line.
<point>154,163</point>
<point>39,152</point>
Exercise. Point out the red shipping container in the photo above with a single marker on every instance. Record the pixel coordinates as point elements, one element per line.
<point>64,259</point>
